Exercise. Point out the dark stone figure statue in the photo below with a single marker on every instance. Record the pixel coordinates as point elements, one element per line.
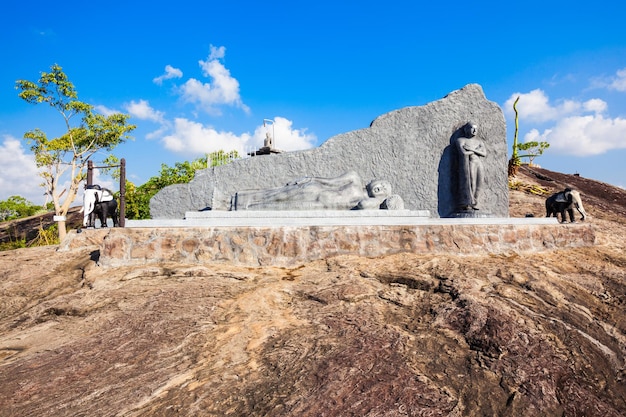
<point>470,152</point>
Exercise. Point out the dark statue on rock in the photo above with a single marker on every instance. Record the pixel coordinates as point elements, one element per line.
<point>470,153</point>
<point>345,192</point>
<point>471,162</point>
<point>565,201</point>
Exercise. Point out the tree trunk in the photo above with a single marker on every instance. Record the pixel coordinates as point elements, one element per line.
<point>513,167</point>
<point>62,231</point>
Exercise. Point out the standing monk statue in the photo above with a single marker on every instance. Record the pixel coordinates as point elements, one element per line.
<point>471,151</point>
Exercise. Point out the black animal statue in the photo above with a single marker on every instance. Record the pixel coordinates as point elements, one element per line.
<point>565,201</point>
<point>98,201</point>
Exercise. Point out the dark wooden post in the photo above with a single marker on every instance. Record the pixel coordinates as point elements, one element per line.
<point>122,221</point>
<point>90,172</point>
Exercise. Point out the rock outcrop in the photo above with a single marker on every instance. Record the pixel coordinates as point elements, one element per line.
<point>540,334</point>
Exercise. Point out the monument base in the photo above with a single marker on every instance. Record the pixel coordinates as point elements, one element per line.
<point>289,218</point>
<point>472,214</point>
<point>289,246</point>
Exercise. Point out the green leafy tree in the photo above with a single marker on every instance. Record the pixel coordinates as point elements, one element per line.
<point>16,207</point>
<point>65,157</point>
<point>138,198</point>
<point>532,150</point>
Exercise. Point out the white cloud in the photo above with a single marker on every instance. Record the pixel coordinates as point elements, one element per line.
<point>615,82</point>
<point>583,135</point>
<point>534,135</point>
<point>570,127</point>
<point>159,133</point>
<point>141,109</point>
<point>619,82</point>
<point>170,72</point>
<point>595,105</point>
<point>105,110</point>
<point>535,107</point>
<point>19,173</point>
<point>222,90</point>
<point>285,137</point>
<point>192,138</point>
<point>217,53</point>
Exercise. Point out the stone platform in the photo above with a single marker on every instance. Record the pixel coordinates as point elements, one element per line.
<point>277,241</point>
<point>289,218</point>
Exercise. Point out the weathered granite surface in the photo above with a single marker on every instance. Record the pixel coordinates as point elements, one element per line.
<point>290,246</point>
<point>409,147</point>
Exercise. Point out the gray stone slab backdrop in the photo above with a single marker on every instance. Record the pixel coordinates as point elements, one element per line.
<point>409,147</point>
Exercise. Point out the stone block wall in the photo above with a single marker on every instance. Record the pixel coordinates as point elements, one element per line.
<point>291,246</point>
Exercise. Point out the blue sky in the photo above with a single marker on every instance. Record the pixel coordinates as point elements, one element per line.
<point>202,76</point>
